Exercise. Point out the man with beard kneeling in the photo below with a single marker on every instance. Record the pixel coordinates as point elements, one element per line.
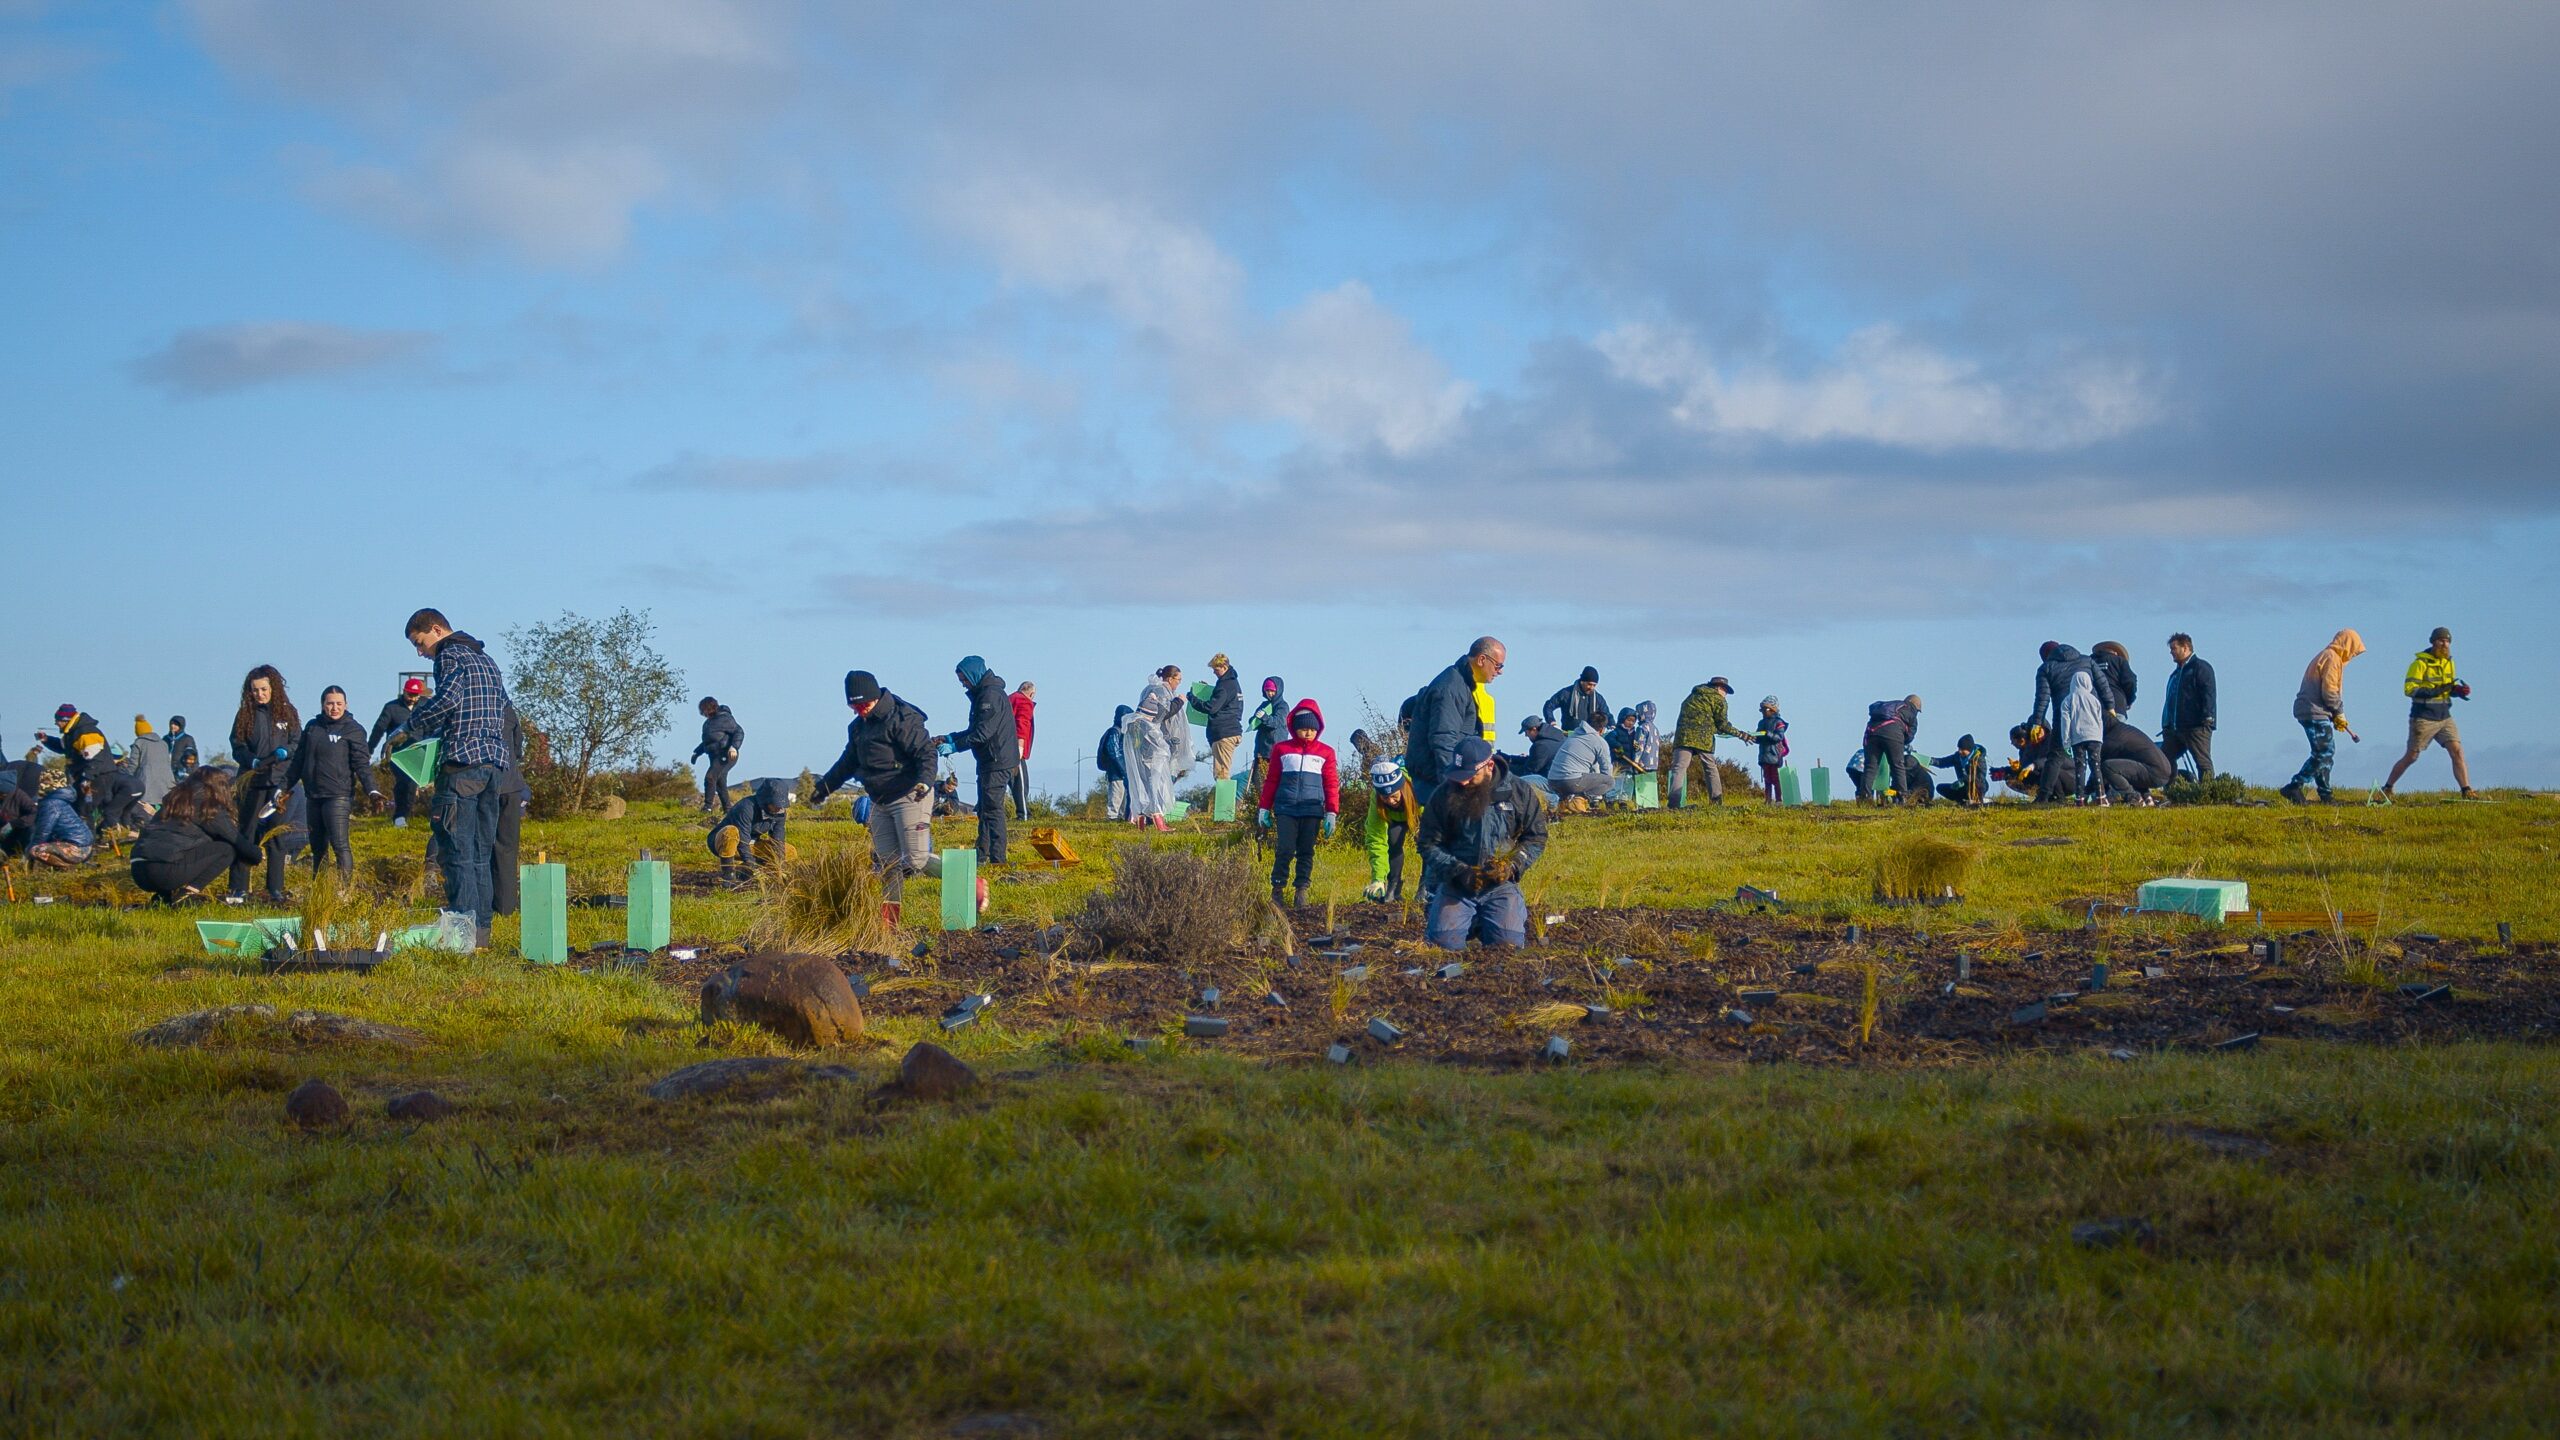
<point>1480,833</point>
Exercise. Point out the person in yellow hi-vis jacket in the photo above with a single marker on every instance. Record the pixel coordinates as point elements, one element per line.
<point>2432,687</point>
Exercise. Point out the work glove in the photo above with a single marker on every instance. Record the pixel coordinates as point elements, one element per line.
<point>1328,827</point>
<point>2462,690</point>
<point>282,753</point>
<point>1262,818</point>
<point>943,746</point>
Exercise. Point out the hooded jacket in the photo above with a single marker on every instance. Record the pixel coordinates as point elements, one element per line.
<point>2323,691</point>
<point>1270,717</point>
<point>2080,718</point>
<point>67,745</point>
<point>1226,707</point>
<point>1570,707</point>
<point>2191,701</point>
<point>182,753</point>
<point>887,750</point>
<point>722,736</point>
<point>58,818</point>
<point>759,815</point>
<point>1513,825</point>
<point>989,738</point>
<point>1771,737</point>
<point>1111,752</point>
<point>1387,809</point>
<point>1023,708</point>
<point>333,759</point>
<point>2429,686</point>
<point>1444,713</point>
<point>1703,717</point>
<point>2124,743</point>
<point>167,841</point>
<point>1584,752</point>
<point>2053,685</point>
<point>2120,679</point>
<point>148,760</point>
<point>1302,779</point>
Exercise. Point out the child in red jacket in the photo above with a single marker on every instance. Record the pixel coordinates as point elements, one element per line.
<point>1301,793</point>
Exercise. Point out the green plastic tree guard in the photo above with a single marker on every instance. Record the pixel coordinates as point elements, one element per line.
<point>1176,810</point>
<point>1648,790</point>
<point>1222,800</point>
<point>418,761</point>
<point>545,917</point>
<point>959,889</point>
<point>644,908</point>
<point>1821,784</point>
<point>1790,786</point>
<point>2212,899</point>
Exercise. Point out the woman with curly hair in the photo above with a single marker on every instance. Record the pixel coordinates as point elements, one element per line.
<point>262,739</point>
<point>190,840</point>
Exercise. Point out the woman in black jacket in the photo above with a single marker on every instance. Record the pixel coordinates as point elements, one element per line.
<point>262,740</point>
<point>190,840</point>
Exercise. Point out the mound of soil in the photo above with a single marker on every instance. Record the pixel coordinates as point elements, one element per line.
<point>1672,985</point>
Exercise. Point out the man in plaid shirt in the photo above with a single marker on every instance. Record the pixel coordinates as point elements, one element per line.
<point>468,714</point>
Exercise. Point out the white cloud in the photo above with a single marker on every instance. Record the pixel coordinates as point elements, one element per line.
<point>1885,389</point>
<point>1341,368</point>
<point>218,359</point>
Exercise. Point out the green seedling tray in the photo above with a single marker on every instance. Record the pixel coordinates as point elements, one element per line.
<point>418,761</point>
<point>2211,899</point>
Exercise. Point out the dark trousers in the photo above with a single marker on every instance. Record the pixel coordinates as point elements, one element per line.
<point>715,784</point>
<point>1018,785</point>
<point>465,817</point>
<point>165,880</point>
<point>1887,748</point>
<point>991,815</point>
<point>1396,830</point>
<point>2196,743</point>
<point>506,882</point>
<point>329,834</point>
<point>404,793</point>
<point>1294,839</point>
<point>254,797</point>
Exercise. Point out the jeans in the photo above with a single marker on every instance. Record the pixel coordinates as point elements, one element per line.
<point>2323,733</point>
<point>329,833</point>
<point>715,784</point>
<point>506,882</point>
<point>992,807</point>
<point>1679,795</point>
<point>1294,839</point>
<point>1498,916</point>
<point>465,821</point>
<point>2197,743</point>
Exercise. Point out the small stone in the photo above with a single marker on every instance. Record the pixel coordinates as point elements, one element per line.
<point>2027,1014</point>
<point>1206,1027</point>
<point>1209,997</point>
<point>1384,1032</point>
<point>1451,971</point>
<point>2113,1232</point>
<point>315,1104</point>
<point>1739,1017</point>
<point>1595,1012</point>
<point>929,1072</point>
<point>421,1105</point>
<point>712,1077</point>
<point>1276,999</point>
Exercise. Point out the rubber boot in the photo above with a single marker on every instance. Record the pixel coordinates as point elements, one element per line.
<point>1276,901</point>
<point>1298,897</point>
<point>889,913</point>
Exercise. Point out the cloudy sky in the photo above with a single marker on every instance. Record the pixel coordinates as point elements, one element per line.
<point>1843,350</point>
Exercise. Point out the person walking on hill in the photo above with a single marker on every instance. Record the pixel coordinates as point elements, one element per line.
<point>1111,757</point>
<point>393,719</point>
<point>991,741</point>
<point>1703,716</point>
<point>1456,706</point>
<point>2187,708</point>
<point>1226,717</point>
<point>468,713</point>
<point>722,737</point>
<point>2320,707</point>
<point>1481,831</point>
<point>1577,702</point>
<point>1026,700</point>
<point>2432,687</point>
<point>1301,793</point>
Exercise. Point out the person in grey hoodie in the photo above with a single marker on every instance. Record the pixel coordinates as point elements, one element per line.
<point>147,760</point>
<point>1581,769</point>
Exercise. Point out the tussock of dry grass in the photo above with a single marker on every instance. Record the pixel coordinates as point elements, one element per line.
<point>826,902</point>
<point>1921,867</point>
<point>1167,906</point>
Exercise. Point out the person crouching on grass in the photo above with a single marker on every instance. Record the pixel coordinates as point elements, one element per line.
<point>1301,791</point>
<point>752,832</point>
<point>1394,813</point>
<point>1481,831</point>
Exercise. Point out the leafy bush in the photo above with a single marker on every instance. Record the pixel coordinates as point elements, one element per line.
<point>2225,789</point>
<point>1167,906</point>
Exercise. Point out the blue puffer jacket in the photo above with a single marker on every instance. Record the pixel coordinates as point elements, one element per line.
<point>58,818</point>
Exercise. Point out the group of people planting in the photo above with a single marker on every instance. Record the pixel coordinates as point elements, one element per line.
<point>1477,818</point>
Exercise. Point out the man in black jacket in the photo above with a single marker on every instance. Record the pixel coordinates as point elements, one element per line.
<point>1448,711</point>
<point>888,751</point>
<point>1577,703</point>
<point>1544,741</point>
<point>394,719</point>
<point>2187,711</point>
<point>333,765</point>
<point>1226,717</point>
<point>722,735</point>
<point>182,749</point>
<point>1891,727</point>
<point>992,740</point>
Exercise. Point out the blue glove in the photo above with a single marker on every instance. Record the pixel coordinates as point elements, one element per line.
<point>1328,827</point>
<point>943,747</point>
<point>283,754</point>
<point>1262,818</point>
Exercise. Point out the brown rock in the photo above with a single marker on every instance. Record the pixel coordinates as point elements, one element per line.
<point>197,1026</point>
<point>314,1104</point>
<point>804,999</point>
<point>614,807</point>
<point>422,1105</point>
<point>930,1072</point>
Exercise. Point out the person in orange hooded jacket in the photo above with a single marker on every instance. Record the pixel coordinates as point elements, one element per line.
<point>2320,706</point>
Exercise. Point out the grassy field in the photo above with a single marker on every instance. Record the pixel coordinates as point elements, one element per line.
<point>1185,1244</point>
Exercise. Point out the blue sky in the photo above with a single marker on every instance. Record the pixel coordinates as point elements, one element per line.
<point>1846,354</point>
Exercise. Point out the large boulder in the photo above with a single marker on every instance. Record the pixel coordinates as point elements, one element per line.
<point>804,999</point>
<point>930,1072</point>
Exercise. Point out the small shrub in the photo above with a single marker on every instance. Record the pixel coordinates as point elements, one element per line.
<point>1921,868</point>
<point>1165,906</point>
<point>825,903</point>
<point>655,782</point>
<point>2224,789</point>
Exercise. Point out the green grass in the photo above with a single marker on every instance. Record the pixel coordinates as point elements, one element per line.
<point>1184,1244</point>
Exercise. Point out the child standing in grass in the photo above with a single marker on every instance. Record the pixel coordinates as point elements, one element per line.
<point>1301,792</point>
<point>1771,737</point>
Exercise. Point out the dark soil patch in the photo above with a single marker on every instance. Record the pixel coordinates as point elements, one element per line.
<point>1665,1000</point>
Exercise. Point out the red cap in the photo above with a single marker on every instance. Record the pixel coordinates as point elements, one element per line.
<point>413,687</point>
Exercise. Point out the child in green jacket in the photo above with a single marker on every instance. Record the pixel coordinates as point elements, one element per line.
<point>1394,811</point>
